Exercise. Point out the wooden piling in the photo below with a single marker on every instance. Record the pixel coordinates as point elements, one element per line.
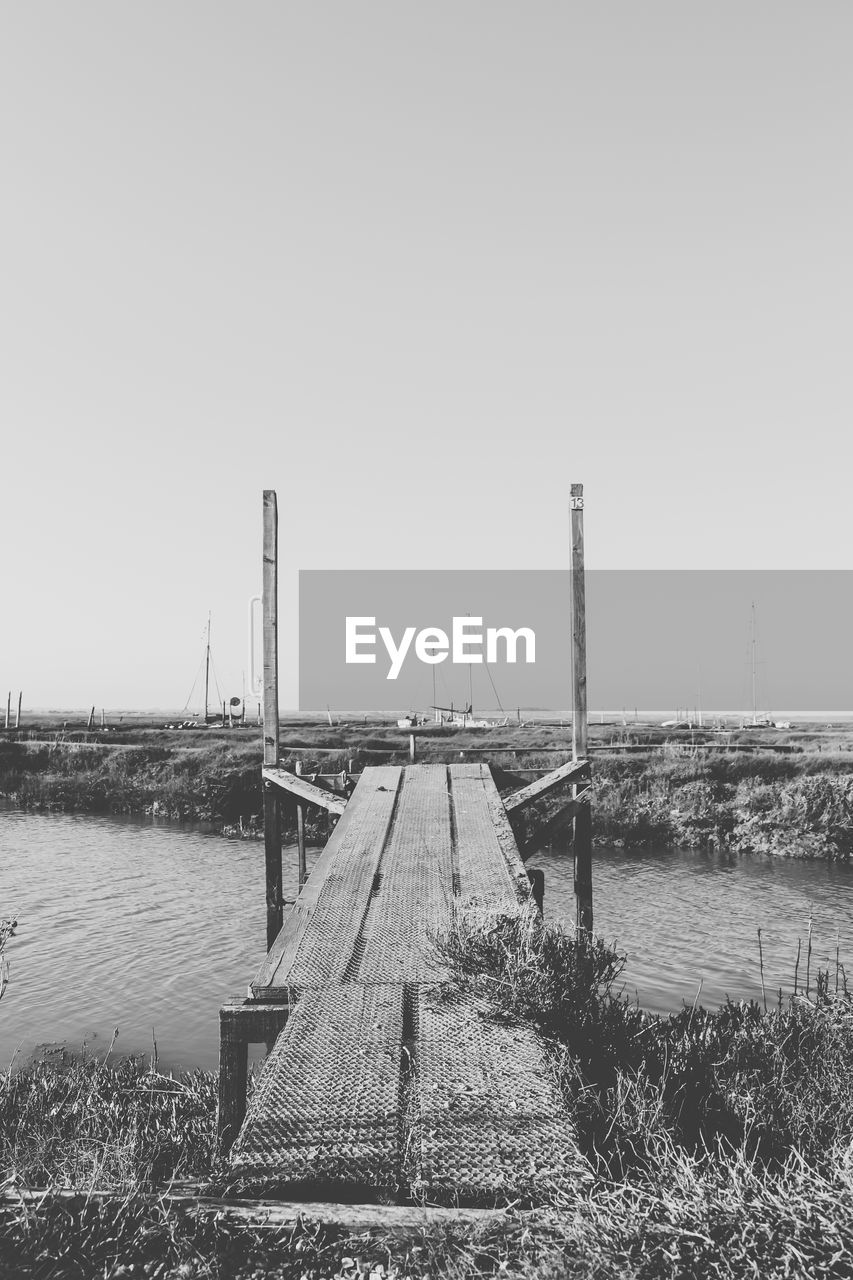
<point>412,747</point>
<point>536,876</point>
<point>272,803</point>
<point>8,707</point>
<point>302,873</point>
<point>18,714</point>
<point>241,1023</point>
<point>582,821</point>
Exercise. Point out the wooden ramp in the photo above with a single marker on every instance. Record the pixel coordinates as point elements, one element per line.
<point>382,1086</point>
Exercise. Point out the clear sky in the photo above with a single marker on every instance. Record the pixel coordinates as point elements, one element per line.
<point>417,267</point>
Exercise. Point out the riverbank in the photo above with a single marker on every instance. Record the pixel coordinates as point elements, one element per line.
<point>786,793</point>
<point>718,1144</point>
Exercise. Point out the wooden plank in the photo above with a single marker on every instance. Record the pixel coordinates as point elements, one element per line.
<point>305,790</point>
<point>572,770</point>
<point>271,1215</point>
<point>482,867</point>
<point>506,837</point>
<point>415,895</point>
<point>271,981</point>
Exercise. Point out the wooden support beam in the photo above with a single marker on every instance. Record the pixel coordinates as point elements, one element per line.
<point>302,868</point>
<point>272,801</point>
<point>545,831</point>
<point>302,789</point>
<point>241,1023</point>
<point>573,770</point>
<point>582,842</point>
<point>271,1215</point>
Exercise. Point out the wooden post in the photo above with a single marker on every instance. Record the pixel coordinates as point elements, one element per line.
<point>272,803</point>
<point>302,873</point>
<point>412,747</point>
<point>241,1023</point>
<point>536,876</point>
<point>8,707</point>
<point>18,716</point>
<point>582,822</point>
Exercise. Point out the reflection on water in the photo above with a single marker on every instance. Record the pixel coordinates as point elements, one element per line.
<point>685,917</point>
<point>122,923</point>
<point>148,927</point>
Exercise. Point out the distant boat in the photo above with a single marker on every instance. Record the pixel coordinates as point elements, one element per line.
<point>412,721</point>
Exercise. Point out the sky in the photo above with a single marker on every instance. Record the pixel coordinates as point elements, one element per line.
<point>417,268</point>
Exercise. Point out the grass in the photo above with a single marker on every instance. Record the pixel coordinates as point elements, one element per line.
<point>666,795</point>
<point>721,1143</point>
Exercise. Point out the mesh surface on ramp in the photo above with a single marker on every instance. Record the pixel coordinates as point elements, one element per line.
<point>415,898</point>
<point>345,895</point>
<point>377,1085</point>
<point>488,1121</point>
<point>327,1109</point>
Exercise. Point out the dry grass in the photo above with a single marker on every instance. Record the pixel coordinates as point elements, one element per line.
<point>721,1142</point>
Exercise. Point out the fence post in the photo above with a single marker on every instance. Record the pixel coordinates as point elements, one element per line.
<point>302,873</point>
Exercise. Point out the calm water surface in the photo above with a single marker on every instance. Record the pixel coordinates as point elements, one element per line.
<point>684,917</point>
<point>143,926</point>
<point>129,924</point>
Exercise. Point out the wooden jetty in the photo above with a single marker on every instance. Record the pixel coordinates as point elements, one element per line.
<point>382,1084</point>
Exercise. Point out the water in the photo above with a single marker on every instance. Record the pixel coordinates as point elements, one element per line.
<point>141,926</point>
<point>130,924</point>
<point>685,917</point>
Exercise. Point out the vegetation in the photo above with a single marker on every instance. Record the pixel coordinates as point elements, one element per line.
<point>664,794</point>
<point>719,1142</point>
<point>792,805</point>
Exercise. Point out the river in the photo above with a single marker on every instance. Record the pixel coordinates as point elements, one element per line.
<point>147,926</point>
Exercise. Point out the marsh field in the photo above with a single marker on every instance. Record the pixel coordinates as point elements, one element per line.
<point>719,1140</point>
<point>787,792</point>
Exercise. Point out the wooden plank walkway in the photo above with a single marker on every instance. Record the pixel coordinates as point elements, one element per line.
<point>382,1086</point>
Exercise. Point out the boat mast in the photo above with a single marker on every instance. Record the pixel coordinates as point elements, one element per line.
<point>207,669</point>
<point>754,704</point>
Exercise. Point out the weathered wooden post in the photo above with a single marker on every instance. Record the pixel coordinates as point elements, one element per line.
<point>18,715</point>
<point>412,751</point>
<point>8,707</point>
<point>582,820</point>
<point>302,874</point>
<point>272,804</point>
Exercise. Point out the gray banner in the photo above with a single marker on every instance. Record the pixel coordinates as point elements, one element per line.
<point>656,640</point>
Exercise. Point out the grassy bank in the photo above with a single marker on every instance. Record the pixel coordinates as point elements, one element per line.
<point>657,793</point>
<point>719,1143</point>
<point>791,805</point>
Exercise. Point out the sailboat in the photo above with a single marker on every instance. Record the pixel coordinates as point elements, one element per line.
<point>233,709</point>
<point>465,719</point>
<point>757,722</point>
